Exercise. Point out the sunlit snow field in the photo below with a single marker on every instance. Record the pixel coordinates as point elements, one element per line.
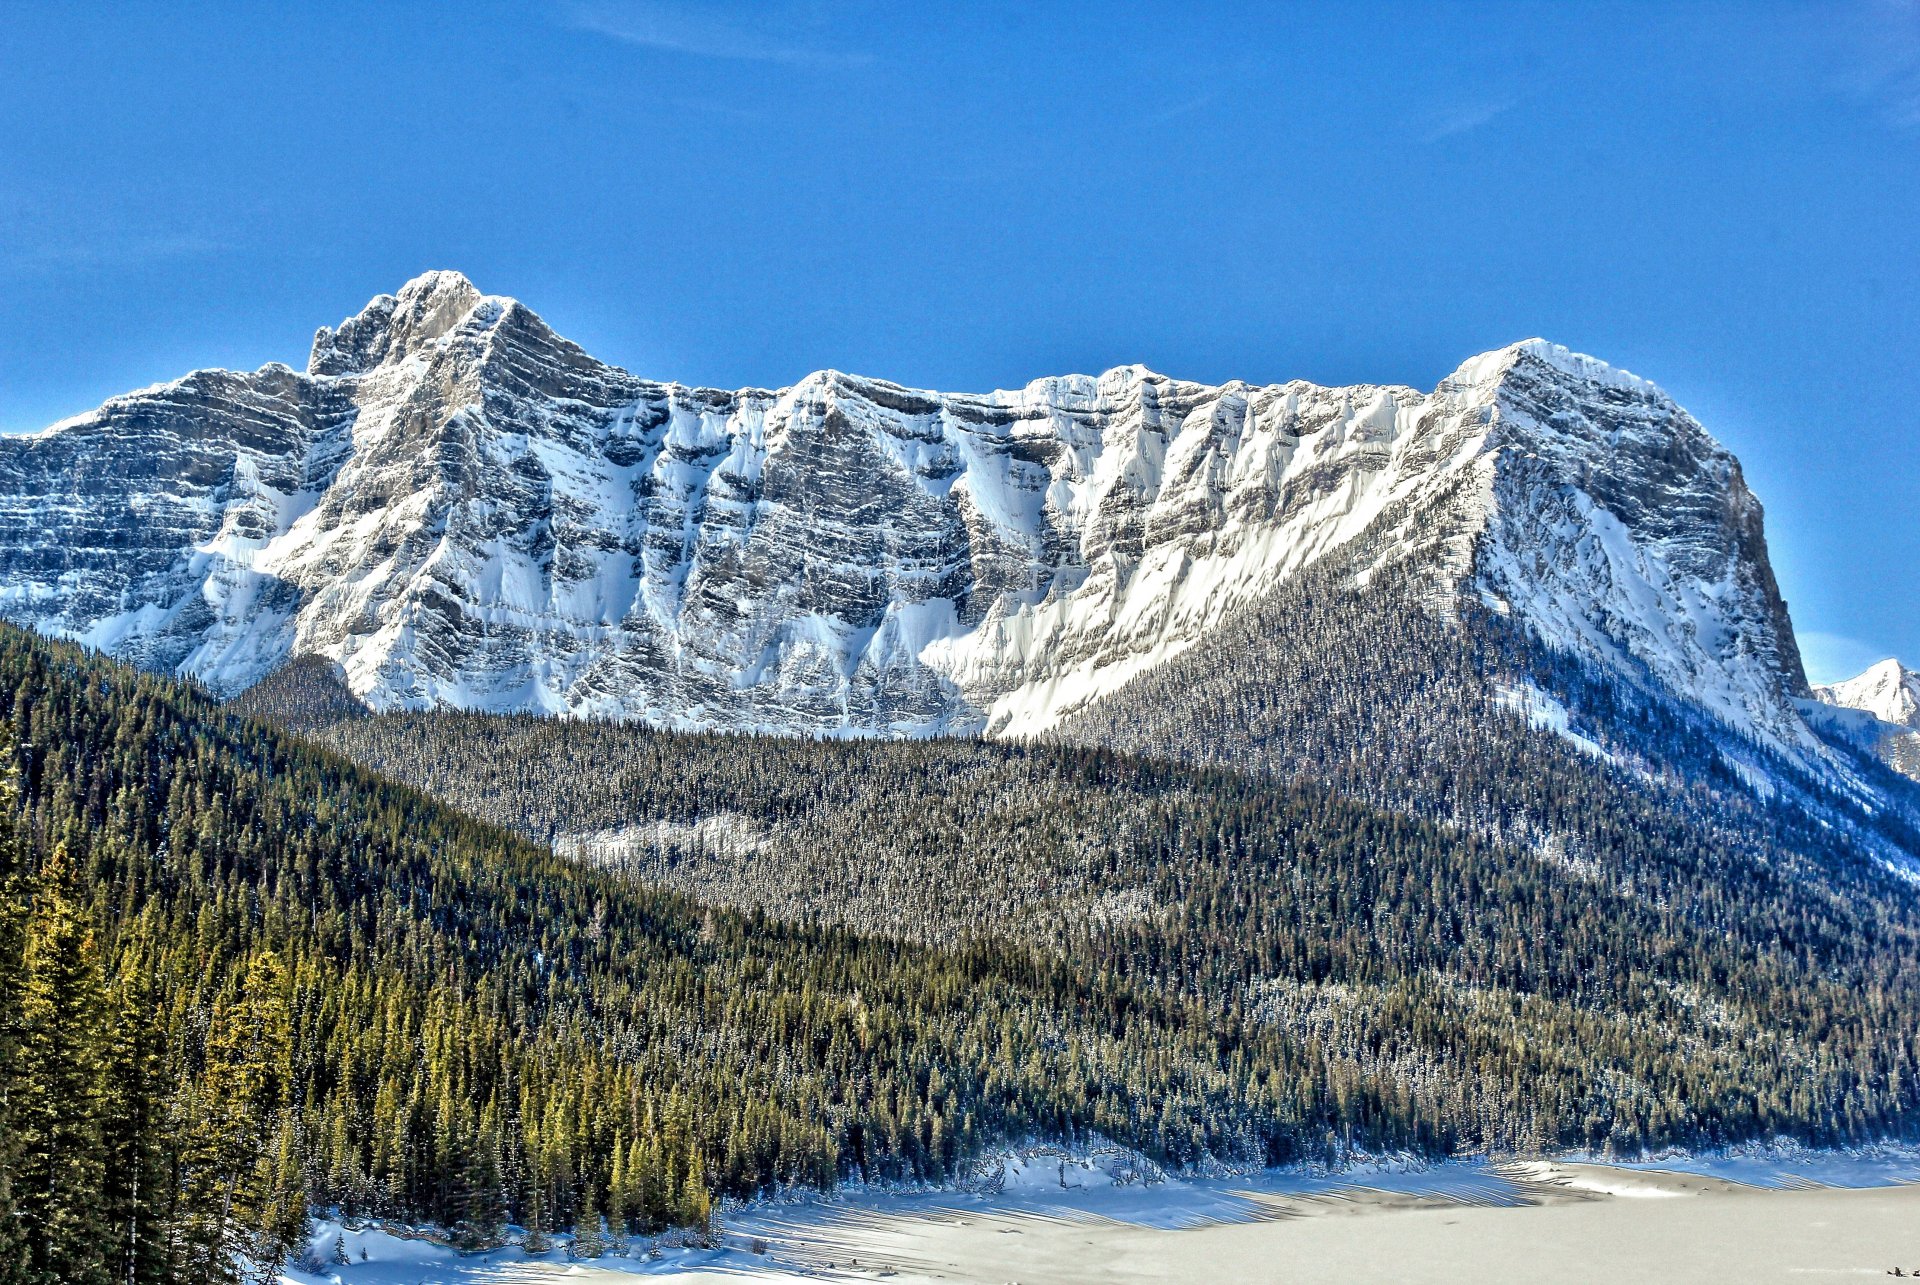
<point>1765,1214</point>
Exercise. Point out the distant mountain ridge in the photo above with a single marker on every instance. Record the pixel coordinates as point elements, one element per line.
<point>1890,692</point>
<point>457,507</point>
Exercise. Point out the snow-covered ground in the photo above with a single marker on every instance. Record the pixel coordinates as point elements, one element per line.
<point>1052,1216</point>
<point>1789,1165</point>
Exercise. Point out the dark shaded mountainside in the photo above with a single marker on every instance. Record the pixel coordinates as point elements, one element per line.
<point>1382,694</point>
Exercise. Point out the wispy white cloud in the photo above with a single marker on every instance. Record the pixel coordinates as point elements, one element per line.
<point>1465,118</point>
<point>776,33</point>
<point>1832,657</point>
<point>108,250</point>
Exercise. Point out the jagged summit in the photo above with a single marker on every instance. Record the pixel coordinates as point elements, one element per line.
<point>439,302</point>
<point>394,326</point>
<point>459,507</point>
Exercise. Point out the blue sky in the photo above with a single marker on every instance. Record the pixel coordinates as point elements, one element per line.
<point>1722,198</point>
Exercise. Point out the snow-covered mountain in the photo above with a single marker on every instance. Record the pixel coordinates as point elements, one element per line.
<point>1889,691</point>
<point>461,508</point>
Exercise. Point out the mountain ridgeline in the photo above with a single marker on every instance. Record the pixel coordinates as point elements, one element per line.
<point>460,508</point>
<point>1889,694</point>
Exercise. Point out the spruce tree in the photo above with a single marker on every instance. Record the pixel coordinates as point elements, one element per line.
<point>487,1209</point>
<point>281,1225</point>
<point>696,1202</point>
<point>588,1239</point>
<point>58,1116</point>
<point>240,1211</point>
<point>619,1195</point>
<point>537,1241</point>
<point>138,1197</point>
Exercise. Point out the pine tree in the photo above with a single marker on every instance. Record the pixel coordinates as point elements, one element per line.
<point>62,1165</point>
<point>696,1202</point>
<point>588,1239</point>
<point>138,1197</point>
<point>487,1209</point>
<point>236,1197</point>
<point>281,1225</point>
<point>537,1241</point>
<point>619,1195</point>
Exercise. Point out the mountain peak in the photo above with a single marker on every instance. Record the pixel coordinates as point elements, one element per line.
<point>439,283</point>
<point>1888,690</point>
<point>1496,365</point>
<point>1884,673</point>
<point>395,326</point>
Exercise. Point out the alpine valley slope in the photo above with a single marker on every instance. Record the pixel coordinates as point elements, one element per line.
<point>460,508</point>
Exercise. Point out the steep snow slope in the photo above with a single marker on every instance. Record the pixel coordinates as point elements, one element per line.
<point>461,508</point>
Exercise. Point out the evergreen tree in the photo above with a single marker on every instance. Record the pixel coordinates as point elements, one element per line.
<point>589,1239</point>
<point>620,1194</point>
<point>244,1209</point>
<point>537,1241</point>
<point>487,1209</point>
<point>281,1221</point>
<point>59,1112</point>
<point>137,1199</point>
<point>696,1202</point>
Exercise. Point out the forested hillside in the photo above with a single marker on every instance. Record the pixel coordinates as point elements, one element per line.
<point>1373,696</point>
<point>245,974</point>
<point>1444,710</point>
<point>1616,935</point>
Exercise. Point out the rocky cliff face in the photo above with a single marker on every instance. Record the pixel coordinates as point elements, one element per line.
<point>459,507</point>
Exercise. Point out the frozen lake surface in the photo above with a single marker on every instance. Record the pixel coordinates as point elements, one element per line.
<point>1757,1215</point>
